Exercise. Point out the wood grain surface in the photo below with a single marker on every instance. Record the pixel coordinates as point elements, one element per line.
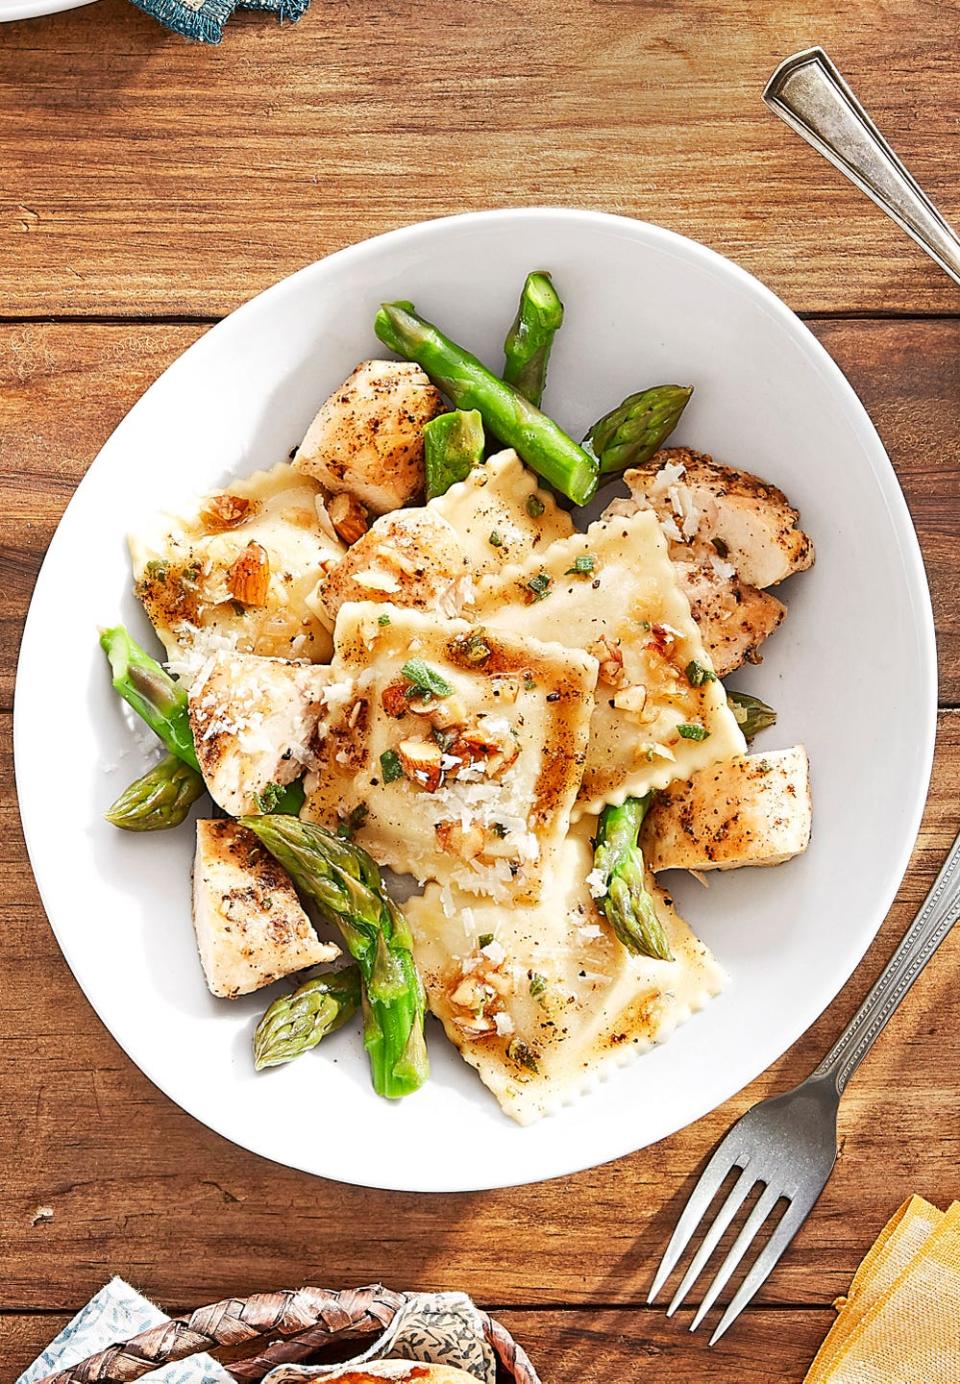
<point>147,187</point>
<point>140,175</point>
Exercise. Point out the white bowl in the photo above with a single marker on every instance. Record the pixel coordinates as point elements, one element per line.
<point>852,674</point>
<point>32,9</point>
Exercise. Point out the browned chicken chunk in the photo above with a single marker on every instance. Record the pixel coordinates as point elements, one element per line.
<point>749,522</point>
<point>752,810</point>
<point>367,439</point>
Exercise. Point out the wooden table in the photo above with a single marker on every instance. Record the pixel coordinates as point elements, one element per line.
<point>148,187</point>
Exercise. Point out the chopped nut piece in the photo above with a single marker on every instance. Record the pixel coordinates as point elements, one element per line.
<point>422,763</point>
<point>608,654</point>
<point>476,1026</point>
<point>348,517</point>
<point>225,512</point>
<point>248,580</point>
<point>448,712</point>
<point>394,699</point>
<point>631,699</point>
<point>469,994</point>
<point>465,844</point>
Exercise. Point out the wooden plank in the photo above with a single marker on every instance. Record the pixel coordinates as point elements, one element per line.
<point>145,175</point>
<point>590,1347</point>
<point>130,1177</point>
<point>64,387</point>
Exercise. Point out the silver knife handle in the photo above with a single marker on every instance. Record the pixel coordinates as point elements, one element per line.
<point>938,913</point>
<point>809,94</point>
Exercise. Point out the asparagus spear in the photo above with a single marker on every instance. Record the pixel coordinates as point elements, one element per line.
<point>159,799</point>
<point>541,443</point>
<point>295,1023</point>
<point>453,446</point>
<point>162,702</point>
<point>751,714</point>
<point>627,904</point>
<point>345,884</point>
<point>151,691</point>
<point>527,347</point>
<point>630,434</point>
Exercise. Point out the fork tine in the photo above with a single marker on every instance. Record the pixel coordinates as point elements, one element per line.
<point>791,1221</point>
<point>700,1198</point>
<point>738,1194</point>
<point>742,1243</point>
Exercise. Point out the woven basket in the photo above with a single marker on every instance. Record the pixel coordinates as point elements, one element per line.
<point>296,1324</point>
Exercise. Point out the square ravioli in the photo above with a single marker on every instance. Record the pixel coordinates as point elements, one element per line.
<point>660,712</point>
<point>543,999</point>
<point>236,571</point>
<point>501,514</point>
<point>454,754</point>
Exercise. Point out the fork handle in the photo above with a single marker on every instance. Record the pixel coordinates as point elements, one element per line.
<point>937,915</point>
<point>811,96</point>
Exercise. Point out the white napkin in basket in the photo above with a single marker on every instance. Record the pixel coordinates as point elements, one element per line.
<point>435,1328</point>
<point>116,1313</point>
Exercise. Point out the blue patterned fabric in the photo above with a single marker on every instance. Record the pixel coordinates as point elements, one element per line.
<point>203,20</point>
<point>435,1328</point>
<point>115,1314</point>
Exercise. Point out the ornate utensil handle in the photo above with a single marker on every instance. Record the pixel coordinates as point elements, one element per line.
<point>937,915</point>
<point>809,94</point>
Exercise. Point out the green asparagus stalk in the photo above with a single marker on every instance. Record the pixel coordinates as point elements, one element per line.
<point>751,714</point>
<point>541,443</point>
<point>631,433</point>
<point>527,347</point>
<point>151,691</point>
<point>295,1023</point>
<point>159,799</point>
<point>453,446</point>
<point>627,904</point>
<point>162,702</point>
<point>345,884</point>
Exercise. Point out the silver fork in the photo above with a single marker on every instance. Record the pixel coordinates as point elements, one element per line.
<point>786,1146</point>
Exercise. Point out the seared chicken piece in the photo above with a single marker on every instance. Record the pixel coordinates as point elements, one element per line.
<point>234,573</point>
<point>367,439</point>
<point>753,810</point>
<point>734,618</point>
<point>750,523</point>
<point>412,558</point>
<point>251,929</point>
<point>254,723</point>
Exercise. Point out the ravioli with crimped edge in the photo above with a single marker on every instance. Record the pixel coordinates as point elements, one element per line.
<point>455,754</point>
<point>233,573</point>
<point>501,514</point>
<point>542,1000</point>
<point>660,712</point>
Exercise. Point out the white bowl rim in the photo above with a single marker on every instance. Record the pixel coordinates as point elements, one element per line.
<point>36,9</point>
<point>924,732</point>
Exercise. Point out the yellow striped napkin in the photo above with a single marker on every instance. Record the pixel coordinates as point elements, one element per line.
<point>900,1322</point>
